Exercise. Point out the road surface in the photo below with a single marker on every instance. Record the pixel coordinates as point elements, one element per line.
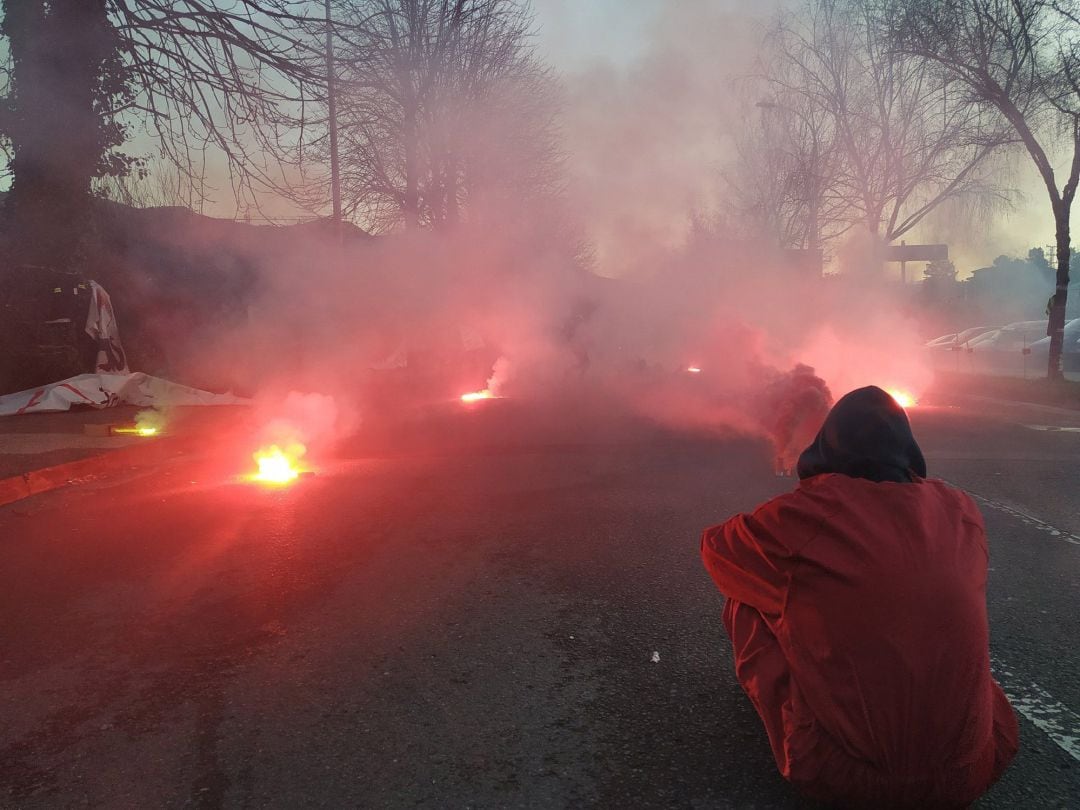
<point>521,622</point>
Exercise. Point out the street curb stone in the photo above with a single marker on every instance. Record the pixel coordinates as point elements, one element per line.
<point>35,482</point>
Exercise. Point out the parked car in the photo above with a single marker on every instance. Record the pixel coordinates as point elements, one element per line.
<point>944,340</point>
<point>1070,350</point>
<point>43,315</point>
<point>1007,351</point>
<point>960,338</point>
<point>947,352</point>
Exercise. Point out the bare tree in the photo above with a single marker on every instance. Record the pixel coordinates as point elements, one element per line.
<point>197,76</point>
<point>158,184</point>
<point>234,76</point>
<point>785,178</point>
<point>906,142</point>
<point>443,108</point>
<point>1020,58</point>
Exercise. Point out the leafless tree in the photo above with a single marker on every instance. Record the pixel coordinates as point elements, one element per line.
<point>231,76</point>
<point>784,181</point>
<point>904,140</point>
<point>1021,59</point>
<point>443,108</point>
<point>198,79</point>
<point>160,183</point>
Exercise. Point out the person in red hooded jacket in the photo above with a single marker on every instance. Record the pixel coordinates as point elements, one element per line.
<point>856,608</point>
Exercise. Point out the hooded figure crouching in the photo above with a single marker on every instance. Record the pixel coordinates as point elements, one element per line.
<point>856,608</point>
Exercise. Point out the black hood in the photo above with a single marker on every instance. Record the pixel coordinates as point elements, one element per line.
<point>865,435</point>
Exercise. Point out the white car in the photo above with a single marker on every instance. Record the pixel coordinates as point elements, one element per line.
<point>944,340</point>
<point>947,352</point>
<point>1070,350</point>
<point>1008,351</point>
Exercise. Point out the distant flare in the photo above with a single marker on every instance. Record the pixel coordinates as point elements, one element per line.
<point>476,396</point>
<point>693,369</point>
<point>903,398</point>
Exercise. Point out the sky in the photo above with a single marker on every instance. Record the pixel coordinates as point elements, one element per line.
<point>648,106</point>
<point>575,33</point>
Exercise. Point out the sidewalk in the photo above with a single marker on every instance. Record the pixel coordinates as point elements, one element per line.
<point>1060,397</point>
<point>41,452</point>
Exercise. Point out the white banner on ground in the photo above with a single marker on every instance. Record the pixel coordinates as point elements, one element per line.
<point>110,390</point>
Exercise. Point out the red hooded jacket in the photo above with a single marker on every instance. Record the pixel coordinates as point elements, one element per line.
<point>857,609</point>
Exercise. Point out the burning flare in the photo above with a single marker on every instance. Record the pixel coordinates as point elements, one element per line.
<point>903,398</point>
<point>694,369</point>
<point>149,422</point>
<point>476,396</point>
<point>135,431</point>
<point>277,466</point>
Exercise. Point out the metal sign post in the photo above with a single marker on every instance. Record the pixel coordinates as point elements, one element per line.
<point>905,253</point>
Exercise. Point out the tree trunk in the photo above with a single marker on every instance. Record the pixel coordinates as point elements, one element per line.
<point>1056,326</point>
<point>56,133</point>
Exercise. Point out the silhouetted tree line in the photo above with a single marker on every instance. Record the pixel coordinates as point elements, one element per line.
<point>443,107</point>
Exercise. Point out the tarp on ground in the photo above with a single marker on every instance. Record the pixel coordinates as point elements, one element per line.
<point>108,391</point>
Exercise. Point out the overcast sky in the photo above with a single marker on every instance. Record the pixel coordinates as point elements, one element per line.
<point>577,36</point>
<point>648,88</point>
<point>576,32</point>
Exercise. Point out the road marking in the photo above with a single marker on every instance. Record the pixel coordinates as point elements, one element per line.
<point>1058,722</point>
<point>1053,428</point>
<point>1029,520</point>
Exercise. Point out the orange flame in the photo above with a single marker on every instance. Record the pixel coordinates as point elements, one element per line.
<point>694,369</point>
<point>903,398</point>
<point>476,396</point>
<point>135,431</point>
<point>277,466</point>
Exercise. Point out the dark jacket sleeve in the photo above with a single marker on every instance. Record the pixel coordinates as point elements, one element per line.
<point>746,563</point>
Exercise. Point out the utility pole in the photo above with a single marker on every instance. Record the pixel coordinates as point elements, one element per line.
<point>331,108</point>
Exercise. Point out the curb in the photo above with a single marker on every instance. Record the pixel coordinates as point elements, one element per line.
<point>35,482</point>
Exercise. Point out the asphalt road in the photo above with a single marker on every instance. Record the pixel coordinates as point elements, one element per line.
<point>520,621</point>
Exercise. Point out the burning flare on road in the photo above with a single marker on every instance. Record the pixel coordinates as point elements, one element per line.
<point>903,398</point>
<point>476,396</point>
<point>148,422</point>
<point>277,466</point>
<point>135,431</point>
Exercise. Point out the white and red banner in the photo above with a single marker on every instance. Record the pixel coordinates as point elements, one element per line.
<point>110,390</point>
<point>102,326</point>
